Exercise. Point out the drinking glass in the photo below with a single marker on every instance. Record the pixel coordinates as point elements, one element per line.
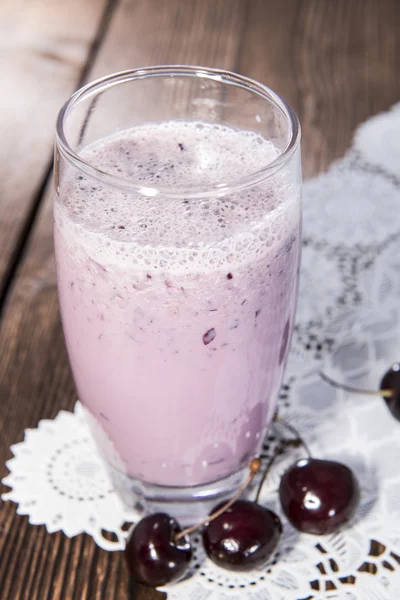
<point>177,223</point>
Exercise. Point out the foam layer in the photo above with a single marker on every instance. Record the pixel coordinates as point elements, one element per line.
<point>161,229</point>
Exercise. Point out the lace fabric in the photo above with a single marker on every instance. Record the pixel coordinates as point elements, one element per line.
<point>348,325</point>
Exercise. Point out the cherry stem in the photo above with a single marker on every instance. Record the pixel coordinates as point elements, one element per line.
<point>254,466</point>
<point>264,477</point>
<point>355,390</point>
<point>295,432</point>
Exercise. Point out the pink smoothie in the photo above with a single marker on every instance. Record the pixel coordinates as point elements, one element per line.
<point>178,312</point>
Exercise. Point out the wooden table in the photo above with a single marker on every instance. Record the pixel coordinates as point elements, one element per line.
<point>335,61</point>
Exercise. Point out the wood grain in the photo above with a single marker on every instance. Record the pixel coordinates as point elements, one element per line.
<point>336,61</point>
<point>34,366</point>
<point>44,47</point>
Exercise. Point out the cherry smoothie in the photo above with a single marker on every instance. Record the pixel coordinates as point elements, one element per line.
<point>178,312</point>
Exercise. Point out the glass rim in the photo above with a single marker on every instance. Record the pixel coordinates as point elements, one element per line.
<point>98,86</point>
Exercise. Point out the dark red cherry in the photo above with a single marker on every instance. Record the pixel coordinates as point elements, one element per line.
<point>318,496</point>
<point>243,537</point>
<point>153,555</point>
<point>391,381</point>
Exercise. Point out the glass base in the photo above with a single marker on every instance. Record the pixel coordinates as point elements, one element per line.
<point>188,505</point>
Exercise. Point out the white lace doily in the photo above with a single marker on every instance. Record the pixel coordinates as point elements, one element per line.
<point>348,324</point>
<point>58,479</point>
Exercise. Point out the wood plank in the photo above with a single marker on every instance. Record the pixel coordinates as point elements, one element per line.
<point>330,59</point>
<point>44,45</point>
<point>206,32</point>
<point>334,61</point>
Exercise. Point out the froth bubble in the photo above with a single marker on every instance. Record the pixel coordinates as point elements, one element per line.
<point>221,230</point>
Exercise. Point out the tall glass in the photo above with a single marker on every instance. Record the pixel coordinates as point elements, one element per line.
<point>177,238</point>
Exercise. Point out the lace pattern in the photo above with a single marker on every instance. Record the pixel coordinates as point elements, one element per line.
<point>348,324</point>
